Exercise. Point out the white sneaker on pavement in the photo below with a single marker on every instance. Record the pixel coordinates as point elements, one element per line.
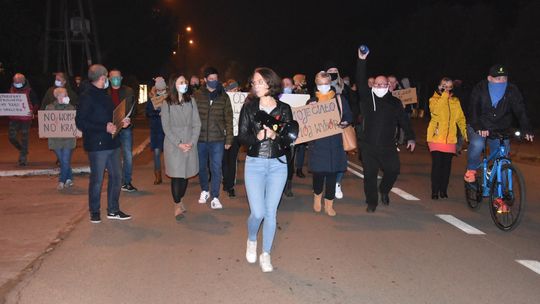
<point>69,183</point>
<point>205,195</point>
<point>339,193</point>
<point>251,251</point>
<point>265,262</point>
<point>216,204</point>
<point>60,186</point>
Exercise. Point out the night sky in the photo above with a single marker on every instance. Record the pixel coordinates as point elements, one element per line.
<point>422,40</point>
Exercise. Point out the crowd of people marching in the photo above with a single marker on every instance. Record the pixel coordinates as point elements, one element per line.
<point>191,123</point>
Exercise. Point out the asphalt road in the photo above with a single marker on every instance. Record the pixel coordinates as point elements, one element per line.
<point>403,253</point>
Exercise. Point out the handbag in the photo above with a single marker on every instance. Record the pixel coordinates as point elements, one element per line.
<point>349,135</point>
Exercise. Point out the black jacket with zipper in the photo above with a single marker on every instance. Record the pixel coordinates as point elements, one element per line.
<point>248,130</point>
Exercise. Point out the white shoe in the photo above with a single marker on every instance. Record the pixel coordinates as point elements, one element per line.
<point>69,183</point>
<point>205,195</point>
<point>60,186</point>
<point>251,251</point>
<point>339,193</point>
<point>215,203</point>
<point>265,262</point>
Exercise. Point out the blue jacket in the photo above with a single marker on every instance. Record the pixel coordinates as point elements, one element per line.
<point>94,112</point>
<point>156,129</point>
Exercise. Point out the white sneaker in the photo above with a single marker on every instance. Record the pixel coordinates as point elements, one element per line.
<point>339,193</point>
<point>265,262</point>
<point>60,186</point>
<point>215,203</point>
<point>205,195</point>
<point>251,251</point>
<point>69,183</point>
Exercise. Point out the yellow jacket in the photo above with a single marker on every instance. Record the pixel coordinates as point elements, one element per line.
<point>446,117</point>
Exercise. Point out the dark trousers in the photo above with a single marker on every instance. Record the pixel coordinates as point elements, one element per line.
<point>290,164</point>
<point>16,126</point>
<point>178,188</point>
<point>375,159</point>
<point>230,159</point>
<point>99,161</point>
<point>300,155</point>
<point>441,164</point>
<point>326,179</point>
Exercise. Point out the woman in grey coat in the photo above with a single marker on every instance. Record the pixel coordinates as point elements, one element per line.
<point>182,125</point>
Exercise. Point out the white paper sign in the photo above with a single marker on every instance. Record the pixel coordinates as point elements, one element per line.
<point>14,105</point>
<point>237,101</point>
<point>295,100</point>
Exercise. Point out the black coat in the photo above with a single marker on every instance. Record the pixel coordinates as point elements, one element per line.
<point>94,112</point>
<point>381,116</point>
<point>483,116</point>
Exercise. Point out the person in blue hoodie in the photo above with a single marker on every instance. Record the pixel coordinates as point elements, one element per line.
<point>94,119</point>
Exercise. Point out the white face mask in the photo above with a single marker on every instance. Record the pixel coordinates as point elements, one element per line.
<point>379,92</point>
<point>182,88</point>
<point>58,83</point>
<point>65,100</point>
<point>106,84</point>
<point>323,88</point>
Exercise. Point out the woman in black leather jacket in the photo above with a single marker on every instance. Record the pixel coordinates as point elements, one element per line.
<point>265,173</point>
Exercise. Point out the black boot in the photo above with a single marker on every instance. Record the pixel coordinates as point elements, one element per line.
<point>288,189</point>
<point>299,173</point>
<point>385,199</point>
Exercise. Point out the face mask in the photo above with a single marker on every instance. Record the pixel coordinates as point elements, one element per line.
<point>212,84</point>
<point>182,88</point>
<point>347,82</point>
<point>65,100</point>
<point>116,81</point>
<point>58,83</point>
<point>334,76</point>
<point>379,92</point>
<point>323,88</point>
<point>18,85</point>
<point>287,90</point>
<point>106,84</point>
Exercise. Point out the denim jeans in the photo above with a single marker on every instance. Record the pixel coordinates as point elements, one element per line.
<point>210,152</point>
<point>64,156</point>
<point>265,180</point>
<point>339,177</point>
<point>126,142</point>
<point>157,159</point>
<point>477,145</point>
<point>16,126</point>
<point>99,161</point>
<point>300,154</point>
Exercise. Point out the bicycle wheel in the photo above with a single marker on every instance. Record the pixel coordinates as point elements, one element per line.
<point>507,210</point>
<point>473,193</point>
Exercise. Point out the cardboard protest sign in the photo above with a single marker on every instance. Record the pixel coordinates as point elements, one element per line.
<point>317,120</point>
<point>294,100</point>
<point>237,101</point>
<point>118,116</point>
<point>407,96</point>
<point>14,105</point>
<point>57,124</point>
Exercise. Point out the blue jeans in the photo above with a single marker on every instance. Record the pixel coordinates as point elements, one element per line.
<point>477,145</point>
<point>157,159</point>
<point>300,154</point>
<point>99,161</point>
<point>126,142</point>
<point>339,177</point>
<point>210,152</point>
<point>64,156</point>
<point>265,180</point>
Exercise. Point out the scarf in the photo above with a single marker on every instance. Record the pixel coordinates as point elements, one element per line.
<point>496,92</point>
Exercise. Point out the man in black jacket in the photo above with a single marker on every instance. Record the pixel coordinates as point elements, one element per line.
<point>382,113</point>
<point>94,118</point>
<point>493,105</point>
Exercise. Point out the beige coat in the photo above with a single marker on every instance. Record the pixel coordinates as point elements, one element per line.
<point>181,124</point>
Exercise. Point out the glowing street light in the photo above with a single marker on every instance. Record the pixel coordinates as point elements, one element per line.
<point>174,52</point>
<point>188,29</point>
<point>191,41</point>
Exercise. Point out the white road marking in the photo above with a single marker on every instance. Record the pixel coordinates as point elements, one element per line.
<point>403,194</point>
<point>459,224</point>
<point>531,264</point>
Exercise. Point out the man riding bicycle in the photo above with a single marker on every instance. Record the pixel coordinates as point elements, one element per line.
<point>493,105</point>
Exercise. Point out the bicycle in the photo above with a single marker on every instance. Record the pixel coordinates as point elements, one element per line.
<point>503,183</point>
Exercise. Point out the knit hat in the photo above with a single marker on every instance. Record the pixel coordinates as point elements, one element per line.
<point>209,71</point>
<point>498,70</point>
<point>160,83</point>
<point>330,64</point>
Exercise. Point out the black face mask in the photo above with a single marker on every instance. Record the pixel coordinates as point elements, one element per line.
<point>334,76</point>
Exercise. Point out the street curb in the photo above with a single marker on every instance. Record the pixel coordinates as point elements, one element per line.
<point>55,171</point>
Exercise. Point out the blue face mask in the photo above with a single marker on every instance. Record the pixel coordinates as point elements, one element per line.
<point>287,90</point>
<point>496,92</point>
<point>18,85</point>
<point>116,81</point>
<point>212,84</point>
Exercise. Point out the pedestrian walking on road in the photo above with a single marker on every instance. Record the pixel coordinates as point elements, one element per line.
<point>62,147</point>
<point>158,95</point>
<point>95,119</point>
<point>446,117</point>
<point>266,166</point>
<point>182,126</point>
